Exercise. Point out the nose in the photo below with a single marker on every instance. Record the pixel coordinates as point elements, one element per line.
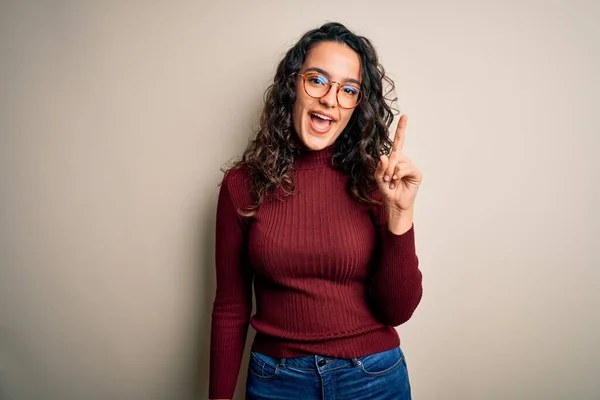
<point>330,98</point>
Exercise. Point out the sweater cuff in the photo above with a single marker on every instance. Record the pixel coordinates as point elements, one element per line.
<point>399,245</point>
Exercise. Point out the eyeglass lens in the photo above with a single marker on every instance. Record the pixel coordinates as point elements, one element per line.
<point>317,85</point>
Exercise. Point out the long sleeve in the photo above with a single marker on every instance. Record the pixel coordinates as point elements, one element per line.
<point>395,288</point>
<point>233,300</point>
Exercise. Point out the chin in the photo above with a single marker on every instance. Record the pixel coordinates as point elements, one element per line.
<point>312,144</point>
<point>317,141</point>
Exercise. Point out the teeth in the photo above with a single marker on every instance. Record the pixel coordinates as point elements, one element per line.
<point>322,116</point>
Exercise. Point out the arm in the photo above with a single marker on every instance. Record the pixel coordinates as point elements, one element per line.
<point>233,300</point>
<point>395,288</point>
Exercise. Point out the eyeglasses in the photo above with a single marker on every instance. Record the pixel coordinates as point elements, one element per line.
<point>317,86</point>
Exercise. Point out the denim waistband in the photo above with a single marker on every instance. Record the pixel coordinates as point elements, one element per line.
<point>317,362</point>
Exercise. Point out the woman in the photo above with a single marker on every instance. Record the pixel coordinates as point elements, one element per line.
<point>321,219</point>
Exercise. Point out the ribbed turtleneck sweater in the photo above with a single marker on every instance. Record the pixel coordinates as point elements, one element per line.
<point>329,277</point>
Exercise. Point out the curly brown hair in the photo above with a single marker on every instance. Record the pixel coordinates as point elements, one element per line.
<point>270,154</point>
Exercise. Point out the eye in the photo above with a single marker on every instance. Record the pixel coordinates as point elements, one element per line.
<point>350,90</point>
<point>317,80</point>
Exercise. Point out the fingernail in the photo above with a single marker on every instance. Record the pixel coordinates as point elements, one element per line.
<point>392,186</point>
<point>386,178</point>
<point>395,176</point>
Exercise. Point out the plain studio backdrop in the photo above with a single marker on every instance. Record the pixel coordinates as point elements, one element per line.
<point>115,118</point>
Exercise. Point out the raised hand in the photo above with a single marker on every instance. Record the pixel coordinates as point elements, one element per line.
<point>397,177</point>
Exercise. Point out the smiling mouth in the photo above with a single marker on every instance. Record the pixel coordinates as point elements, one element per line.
<point>320,123</point>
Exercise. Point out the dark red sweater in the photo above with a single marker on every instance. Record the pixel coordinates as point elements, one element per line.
<point>329,277</point>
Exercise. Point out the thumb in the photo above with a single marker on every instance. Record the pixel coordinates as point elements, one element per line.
<point>381,168</point>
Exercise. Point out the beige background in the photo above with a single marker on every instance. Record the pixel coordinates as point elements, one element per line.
<point>116,116</point>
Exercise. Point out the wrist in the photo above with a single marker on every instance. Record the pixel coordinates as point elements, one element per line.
<point>399,221</point>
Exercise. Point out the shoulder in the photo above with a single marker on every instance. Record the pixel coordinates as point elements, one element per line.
<point>238,175</point>
<point>377,210</point>
<point>375,194</point>
<point>237,184</point>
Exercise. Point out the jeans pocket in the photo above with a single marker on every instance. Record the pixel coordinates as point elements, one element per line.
<point>379,364</point>
<point>263,366</point>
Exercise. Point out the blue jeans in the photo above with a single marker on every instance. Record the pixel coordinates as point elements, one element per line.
<point>374,377</point>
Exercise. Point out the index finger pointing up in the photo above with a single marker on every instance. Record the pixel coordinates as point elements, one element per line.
<point>400,133</point>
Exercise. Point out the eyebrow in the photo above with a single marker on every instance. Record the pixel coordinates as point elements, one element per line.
<point>327,74</point>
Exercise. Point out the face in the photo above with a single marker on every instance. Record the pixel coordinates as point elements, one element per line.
<point>319,122</point>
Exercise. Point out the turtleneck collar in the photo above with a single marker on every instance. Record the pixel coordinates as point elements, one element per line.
<point>310,159</point>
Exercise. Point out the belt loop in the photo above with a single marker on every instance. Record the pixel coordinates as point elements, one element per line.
<point>356,362</point>
<point>282,363</point>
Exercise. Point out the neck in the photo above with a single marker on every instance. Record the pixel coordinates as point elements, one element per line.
<point>308,159</point>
